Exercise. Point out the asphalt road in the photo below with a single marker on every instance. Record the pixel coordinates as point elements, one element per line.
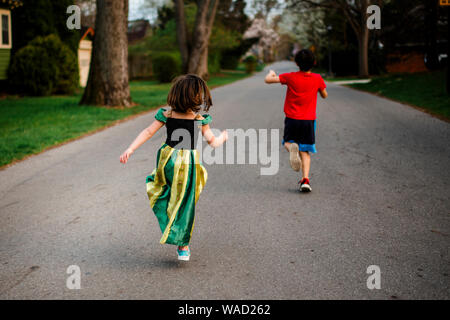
<point>380,197</point>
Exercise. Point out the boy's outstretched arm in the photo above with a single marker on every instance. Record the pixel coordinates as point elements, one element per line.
<point>272,77</point>
<point>323,93</point>
<point>146,134</point>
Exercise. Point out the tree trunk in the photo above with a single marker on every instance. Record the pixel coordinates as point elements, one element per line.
<point>198,59</point>
<point>363,42</point>
<point>108,75</point>
<point>448,50</point>
<point>363,53</point>
<point>202,68</point>
<point>182,40</point>
<point>431,22</point>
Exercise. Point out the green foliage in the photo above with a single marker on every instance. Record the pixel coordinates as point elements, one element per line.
<point>425,90</point>
<point>41,18</point>
<point>164,39</point>
<point>250,63</point>
<point>250,59</point>
<point>43,67</point>
<point>231,15</point>
<point>166,66</point>
<point>60,55</point>
<point>30,73</point>
<point>230,57</point>
<point>165,13</point>
<point>222,38</point>
<point>214,62</point>
<point>226,45</point>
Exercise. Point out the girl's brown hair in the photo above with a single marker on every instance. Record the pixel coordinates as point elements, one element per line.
<point>189,92</point>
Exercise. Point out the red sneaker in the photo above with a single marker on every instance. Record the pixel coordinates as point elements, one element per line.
<point>305,185</point>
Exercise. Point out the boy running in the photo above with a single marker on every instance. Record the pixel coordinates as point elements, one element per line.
<point>300,110</point>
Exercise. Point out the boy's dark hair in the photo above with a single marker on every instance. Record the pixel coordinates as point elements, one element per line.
<point>189,92</point>
<point>305,59</point>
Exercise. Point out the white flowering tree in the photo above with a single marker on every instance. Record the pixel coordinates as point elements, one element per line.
<point>268,39</point>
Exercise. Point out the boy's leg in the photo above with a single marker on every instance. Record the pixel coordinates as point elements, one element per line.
<point>306,163</point>
<point>287,145</point>
<point>294,156</point>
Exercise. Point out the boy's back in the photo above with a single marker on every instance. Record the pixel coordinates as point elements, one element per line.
<point>301,95</point>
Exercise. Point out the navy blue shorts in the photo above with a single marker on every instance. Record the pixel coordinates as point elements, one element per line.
<point>302,132</point>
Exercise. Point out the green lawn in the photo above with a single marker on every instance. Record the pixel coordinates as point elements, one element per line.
<point>29,125</point>
<point>424,90</point>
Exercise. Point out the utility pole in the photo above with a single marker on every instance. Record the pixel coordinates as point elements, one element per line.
<point>448,49</point>
<point>330,71</point>
<point>447,4</point>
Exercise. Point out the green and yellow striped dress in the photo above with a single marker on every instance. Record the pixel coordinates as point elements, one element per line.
<point>174,186</point>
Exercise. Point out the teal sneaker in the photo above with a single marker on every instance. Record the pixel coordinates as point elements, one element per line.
<point>184,255</point>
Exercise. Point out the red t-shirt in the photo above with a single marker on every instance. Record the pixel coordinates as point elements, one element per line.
<point>301,95</point>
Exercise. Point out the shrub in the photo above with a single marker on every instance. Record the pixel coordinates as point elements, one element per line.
<point>43,67</point>
<point>139,65</point>
<point>31,74</point>
<point>250,63</point>
<point>214,62</point>
<point>230,57</point>
<point>166,66</point>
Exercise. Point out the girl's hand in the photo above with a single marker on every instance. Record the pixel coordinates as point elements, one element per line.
<point>126,155</point>
<point>218,141</point>
<point>225,135</point>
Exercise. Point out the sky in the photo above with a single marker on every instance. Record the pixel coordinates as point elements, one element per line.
<point>135,12</point>
<point>134,9</point>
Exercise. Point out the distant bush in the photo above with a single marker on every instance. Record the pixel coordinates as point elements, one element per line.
<point>231,56</point>
<point>31,74</point>
<point>43,67</point>
<point>250,63</point>
<point>139,65</point>
<point>214,62</point>
<point>166,66</point>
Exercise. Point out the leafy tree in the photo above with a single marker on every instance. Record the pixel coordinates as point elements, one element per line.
<point>41,18</point>
<point>194,49</point>
<point>355,12</point>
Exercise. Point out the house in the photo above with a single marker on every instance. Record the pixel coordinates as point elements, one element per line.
<point>137,30</point>
<point>84,55</point>
<point>412,57</point>
<point>5,41</point>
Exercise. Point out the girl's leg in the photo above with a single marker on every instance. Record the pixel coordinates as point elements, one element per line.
<point>306,163</point>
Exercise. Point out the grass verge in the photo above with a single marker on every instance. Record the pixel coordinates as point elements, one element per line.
<point>423,90</point>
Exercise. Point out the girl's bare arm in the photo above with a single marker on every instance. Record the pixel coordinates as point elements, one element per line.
<point>146,134</point>
<point>212,140</point>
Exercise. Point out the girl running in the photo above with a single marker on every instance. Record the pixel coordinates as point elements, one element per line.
<point>175,185</point>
